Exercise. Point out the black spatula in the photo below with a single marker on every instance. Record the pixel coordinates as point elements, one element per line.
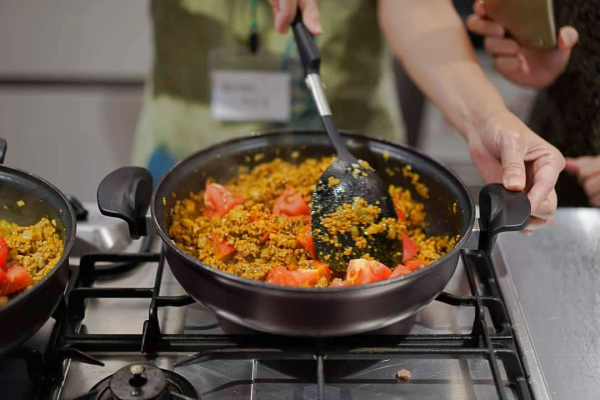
<point>345,180</point>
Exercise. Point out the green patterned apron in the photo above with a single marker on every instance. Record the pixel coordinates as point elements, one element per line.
<point>175,120</point>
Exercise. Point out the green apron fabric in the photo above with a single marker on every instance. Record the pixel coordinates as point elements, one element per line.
<point>175,119</point>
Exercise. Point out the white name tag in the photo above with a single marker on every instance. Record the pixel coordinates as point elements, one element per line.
<point>250,96</point>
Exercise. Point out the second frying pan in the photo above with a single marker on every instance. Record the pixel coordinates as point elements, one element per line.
<point>25,314</point>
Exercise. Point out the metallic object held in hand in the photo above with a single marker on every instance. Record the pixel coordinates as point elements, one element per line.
<point>531,23</point>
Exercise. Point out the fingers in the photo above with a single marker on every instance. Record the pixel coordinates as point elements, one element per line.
<point>512,158</point>
<point>571,166</point>
<point>591,186</point>
<point>567,38</point>
<point>311,16</point>
<point>595,201</point>
<point>535,224</point>
<point>484,27</point>
<point>284,12</point>
<point>543,216</point>
<point>507,65</point>
<point>585,166</point>
<point>547,209</point>
<point>501,47</point>
<point>479,8</point>
<point>587,170</point>
<point>545,169</point>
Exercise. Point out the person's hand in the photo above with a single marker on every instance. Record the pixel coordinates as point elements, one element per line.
<point>506,151</point>
<point>534,68</point>
<point>284,12</point>
<point>587,170</point>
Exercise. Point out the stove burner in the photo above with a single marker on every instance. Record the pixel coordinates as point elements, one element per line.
<point>143,382</point>
<point>399,328</point>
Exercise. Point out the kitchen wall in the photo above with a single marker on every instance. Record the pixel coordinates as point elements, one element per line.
<point>71,75</point>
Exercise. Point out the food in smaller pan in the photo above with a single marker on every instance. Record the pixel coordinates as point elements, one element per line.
<point>257,226</point>
<point>27,255</point>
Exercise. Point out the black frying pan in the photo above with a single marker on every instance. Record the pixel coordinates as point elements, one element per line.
<point>126,193</point>
<point>25,314</point>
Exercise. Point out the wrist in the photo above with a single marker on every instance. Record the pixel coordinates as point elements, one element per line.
<point>476,118</point>
<point>470,100</point>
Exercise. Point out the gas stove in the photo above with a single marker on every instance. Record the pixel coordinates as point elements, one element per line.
<point>127,330</point>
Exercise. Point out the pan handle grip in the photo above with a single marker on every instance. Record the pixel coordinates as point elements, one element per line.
<point>3,148</point>
<point>81,214</point>
<point>309,53</point>
<point>500,210</point>
<point>126,194</point>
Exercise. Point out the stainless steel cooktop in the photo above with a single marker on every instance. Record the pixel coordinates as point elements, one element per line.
<point>360,374</point>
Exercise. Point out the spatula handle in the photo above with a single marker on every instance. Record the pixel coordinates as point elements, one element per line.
<point>309,53</point>
<point>311,62</point>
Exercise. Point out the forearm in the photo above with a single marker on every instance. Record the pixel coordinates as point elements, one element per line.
<point>428,37</point>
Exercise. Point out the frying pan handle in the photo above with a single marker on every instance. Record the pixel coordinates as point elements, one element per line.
<point>309,53</point>
<point>3,148</point>
<point>500,210</point>
<point>126,194</point>
<point>81,214</point>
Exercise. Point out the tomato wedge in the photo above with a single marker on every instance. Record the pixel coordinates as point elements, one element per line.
<point>338,283</point>
<point>224,249</point>
<point>281,276</point>
<point>265,237</point>
<point>323,269</point>
<point>17,279</point>
<point>363,271</point>
<point>409,248</point>
<point>3,253</point>
<point>414,265</point>
<point>3,276</point>
<point>305,238</point>
<point>400,270</point>
<point>290,203</point>
<point>306,277</point>
<point>401,215</point>
<point>218,201</point>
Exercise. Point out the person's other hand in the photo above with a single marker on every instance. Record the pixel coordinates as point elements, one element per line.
<point>284,12</point>
<point>587,170</point>
<point>506,151</point>
<point>534,68</point>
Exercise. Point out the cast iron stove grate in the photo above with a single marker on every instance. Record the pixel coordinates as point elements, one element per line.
<point>70,342</point>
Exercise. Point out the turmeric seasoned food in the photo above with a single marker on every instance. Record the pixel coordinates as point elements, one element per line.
<point>27,255</point>
<point>257,226</point>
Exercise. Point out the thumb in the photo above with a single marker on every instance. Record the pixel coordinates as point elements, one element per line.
<point>572,166</point>
<point>513,164</point>
<point>567,38</point>
<point>558,59</point>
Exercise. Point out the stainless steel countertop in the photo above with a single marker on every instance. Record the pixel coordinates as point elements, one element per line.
<point>556,274</point>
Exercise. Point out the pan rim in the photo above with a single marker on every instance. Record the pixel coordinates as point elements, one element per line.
<point>69,241</point>
<point>324,291</point>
